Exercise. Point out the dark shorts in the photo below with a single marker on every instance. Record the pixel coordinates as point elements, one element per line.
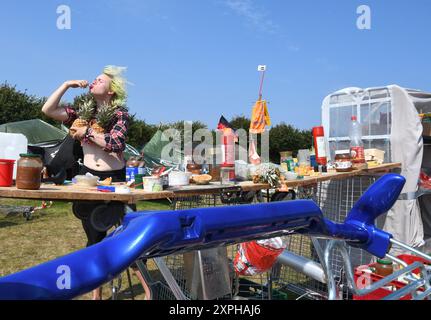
<point>98,216</point>
<point>116,175</point>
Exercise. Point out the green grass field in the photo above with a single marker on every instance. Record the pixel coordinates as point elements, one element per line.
<point>52,232</point>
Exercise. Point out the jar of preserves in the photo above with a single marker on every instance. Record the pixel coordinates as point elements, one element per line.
<point>343,162</point>
<point>29,171</point>
<point>384,267</point>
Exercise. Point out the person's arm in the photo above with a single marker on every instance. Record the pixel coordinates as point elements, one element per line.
<point>51,107</point>
<point>113,141</point>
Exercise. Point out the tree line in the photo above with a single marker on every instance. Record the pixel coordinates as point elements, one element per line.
<point>16,105</point>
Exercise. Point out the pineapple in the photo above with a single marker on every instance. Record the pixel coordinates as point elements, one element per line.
<point>103,117</point>
<point>85,113</point>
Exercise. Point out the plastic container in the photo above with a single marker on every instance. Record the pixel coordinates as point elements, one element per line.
<point>152,184</point>
<point>241,170</point>
<point>304,157</point>
<point>86,181</point>
<point>6,172</point>
<point>29,172</point>
<point>179,178</point>
<point>356,145</point>
<point>11,146</point>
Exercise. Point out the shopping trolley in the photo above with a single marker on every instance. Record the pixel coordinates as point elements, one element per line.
<point>158,234</point>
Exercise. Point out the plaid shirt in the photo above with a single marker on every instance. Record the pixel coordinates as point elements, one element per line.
<point>116,132</point>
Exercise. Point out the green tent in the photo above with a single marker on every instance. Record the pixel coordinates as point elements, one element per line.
<point>36,131</point>
<point>39,132</point>
<point>155,146</point>
<point>153,156</point>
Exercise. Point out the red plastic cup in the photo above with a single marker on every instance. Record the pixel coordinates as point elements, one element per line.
<point>6,172</point>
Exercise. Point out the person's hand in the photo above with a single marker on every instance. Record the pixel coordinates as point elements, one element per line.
<point>76,84</point>
<point>78,133</point>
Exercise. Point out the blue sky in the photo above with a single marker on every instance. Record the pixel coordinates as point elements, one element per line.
<point>197,59</point>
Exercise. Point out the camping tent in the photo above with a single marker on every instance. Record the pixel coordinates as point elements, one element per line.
<point>40,133</point>
<point>36,131</point>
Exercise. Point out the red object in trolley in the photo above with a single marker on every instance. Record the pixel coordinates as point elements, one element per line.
<point>319,145</point>
<point>363,278</point>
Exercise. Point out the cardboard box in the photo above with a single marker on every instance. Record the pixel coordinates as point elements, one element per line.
<point>374,155</point>
<point>426,129</point>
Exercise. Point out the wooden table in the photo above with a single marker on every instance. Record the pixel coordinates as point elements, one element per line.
<point>74,192</point>
<point>307,181</point>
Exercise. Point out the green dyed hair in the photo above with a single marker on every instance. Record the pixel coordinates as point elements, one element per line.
<point>118,84</point>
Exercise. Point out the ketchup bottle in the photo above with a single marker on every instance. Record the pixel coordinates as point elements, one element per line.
<point>319,145</point>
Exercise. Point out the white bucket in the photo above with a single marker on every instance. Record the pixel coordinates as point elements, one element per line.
<point>179,178</point>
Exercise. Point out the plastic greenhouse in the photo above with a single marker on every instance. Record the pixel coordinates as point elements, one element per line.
<point>390,122</point>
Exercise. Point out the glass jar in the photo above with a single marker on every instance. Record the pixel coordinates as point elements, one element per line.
<point>384,267</point>
<point>29,170</point>
<point>343,162</point>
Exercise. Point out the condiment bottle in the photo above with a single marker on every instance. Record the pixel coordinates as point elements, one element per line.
<point>343,161</point>
<point>356,145</point>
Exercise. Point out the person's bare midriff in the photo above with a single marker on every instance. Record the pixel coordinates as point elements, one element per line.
<point>97,159</point>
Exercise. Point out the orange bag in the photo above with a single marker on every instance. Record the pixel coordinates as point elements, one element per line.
<point>259,117</point>
<point>256,257</point>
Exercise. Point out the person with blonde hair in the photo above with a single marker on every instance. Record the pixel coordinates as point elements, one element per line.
<point>103,151</point>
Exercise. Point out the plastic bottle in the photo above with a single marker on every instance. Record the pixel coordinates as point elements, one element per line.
<point>356,144</point>
<point>319,145</point>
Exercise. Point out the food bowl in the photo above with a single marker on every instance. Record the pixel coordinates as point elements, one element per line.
<point>202,179</point>
<point>87,181</point>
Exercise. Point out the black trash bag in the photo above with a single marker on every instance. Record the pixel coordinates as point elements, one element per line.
<point>61,160</point>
